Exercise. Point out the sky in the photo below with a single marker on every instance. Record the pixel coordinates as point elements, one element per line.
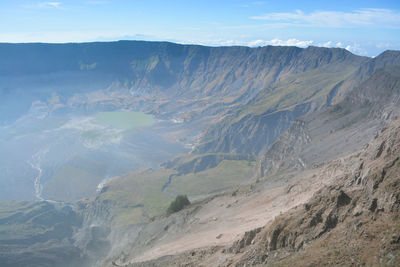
<point>363,27</point>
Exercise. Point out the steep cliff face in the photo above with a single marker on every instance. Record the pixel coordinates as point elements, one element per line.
<point>252,134</point>
<point>285,152</point>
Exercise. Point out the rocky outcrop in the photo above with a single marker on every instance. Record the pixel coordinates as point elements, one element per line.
<point>246,240</point>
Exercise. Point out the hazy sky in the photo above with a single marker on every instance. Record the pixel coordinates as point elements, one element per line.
<point>363,27</point>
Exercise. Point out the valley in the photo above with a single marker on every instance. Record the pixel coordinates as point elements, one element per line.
<point>93,148</point>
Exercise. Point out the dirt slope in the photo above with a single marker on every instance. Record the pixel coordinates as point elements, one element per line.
<point>345,212</point>
<point>222,220</point>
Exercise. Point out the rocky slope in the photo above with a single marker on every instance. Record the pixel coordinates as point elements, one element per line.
<point>354,221</point>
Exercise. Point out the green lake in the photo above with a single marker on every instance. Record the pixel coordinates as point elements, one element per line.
<point>124,120</point>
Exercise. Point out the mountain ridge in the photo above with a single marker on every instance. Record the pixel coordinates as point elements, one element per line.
<point>153,68</point>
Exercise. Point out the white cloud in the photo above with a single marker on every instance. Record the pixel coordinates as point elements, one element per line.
<point>366,17</point>
<point>50,4</point>
<point>256,43</point>
<point>278,42</point>
<point>327,44</point>
<point>244,42</point>
<point>212,42</point>
<point>227,43</point>
<point>354,48</point>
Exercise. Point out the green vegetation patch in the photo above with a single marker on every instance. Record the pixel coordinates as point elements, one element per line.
<point>138,196</point>
<point>227,174</point>
<point>178,204</point>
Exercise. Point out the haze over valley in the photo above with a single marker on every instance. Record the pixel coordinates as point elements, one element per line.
<point>171,153</point>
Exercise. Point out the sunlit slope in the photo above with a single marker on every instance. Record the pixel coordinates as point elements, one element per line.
<point>254,126</point>
<point>139,196</point>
